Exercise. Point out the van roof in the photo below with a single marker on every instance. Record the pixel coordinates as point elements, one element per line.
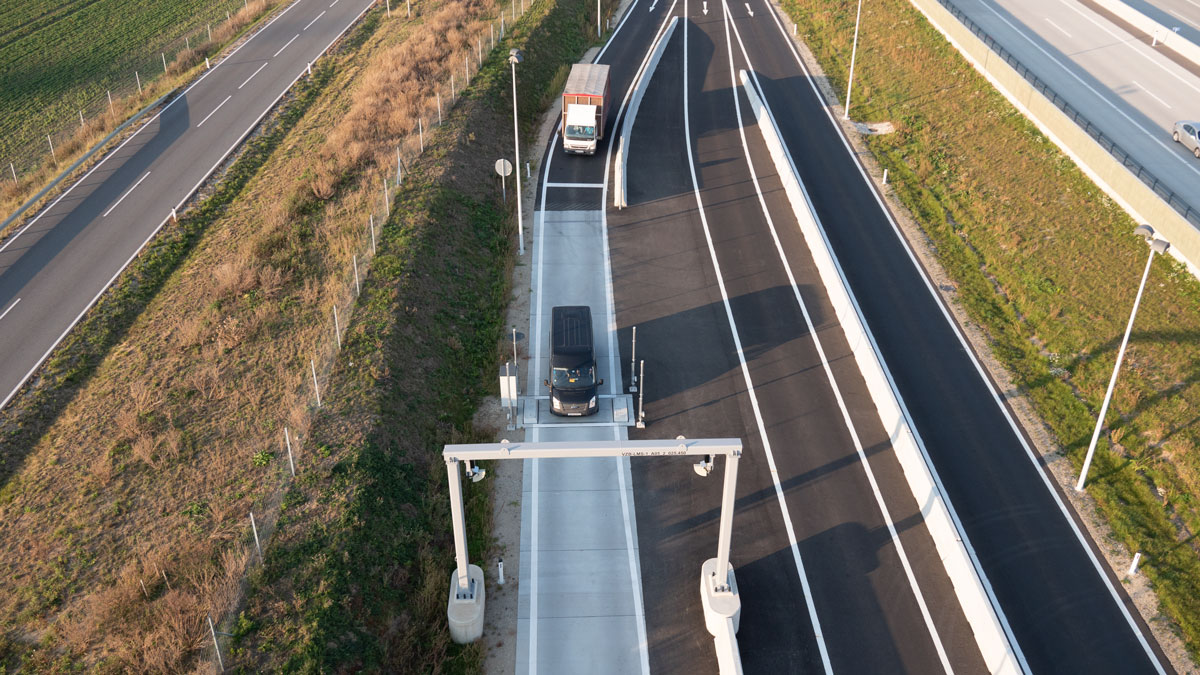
<point>570,336</point>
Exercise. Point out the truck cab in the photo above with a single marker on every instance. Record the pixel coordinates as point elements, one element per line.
<point>579,134</point>
<point>572,383</point>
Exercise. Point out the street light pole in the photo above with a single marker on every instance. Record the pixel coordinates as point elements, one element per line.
<point>514,57</point>
<point>853,53</point>
<point>597,18</point>
<point>1156,246</point>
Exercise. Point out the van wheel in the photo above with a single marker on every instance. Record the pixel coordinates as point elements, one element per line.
<point>1175,136</point>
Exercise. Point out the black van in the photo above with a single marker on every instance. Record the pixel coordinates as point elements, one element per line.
<point>573,384</point>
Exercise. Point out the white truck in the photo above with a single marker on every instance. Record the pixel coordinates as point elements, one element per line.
<point>584,103</point>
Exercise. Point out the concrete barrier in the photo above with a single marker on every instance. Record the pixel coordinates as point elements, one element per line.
<point>995,642</point>
<point>639,91</point>
<point>1110,174</point>
<point>1165,36</point>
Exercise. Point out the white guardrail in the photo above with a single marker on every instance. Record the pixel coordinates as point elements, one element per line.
<point>994,641</point>
<point>639,91</point>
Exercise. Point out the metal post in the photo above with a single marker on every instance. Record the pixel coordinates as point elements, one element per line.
<point>641,421</point>
<point>110,104</point>
<point>421,132</point>
<point>492,30</point>
<point>139,81</point>
<point>598,33</point>
<point>291,463</point>
<point>80,119</point>
<point>885,172</point>
<point>316,388</point>
<point>371,227</point>
<point>398,176</point>
<point>164,55</point>
<point>514,334</point>
<point>853,53</point>
<point>479,52</point>
<point>517,151</point>
<point>389,8</point>
<point>500,565</point>
<point>466,69</point>
<point>357,285</point>
<point>453,94</point>
<point>13,169</point>
<point>52,155</point>
<point>460,529</point>
<point>213,630</point>
<point>439,102</point>
<point>387,203</point>
<point>254,527</point>
<point>337,327</point>
<point>210,32</point>
<point>408,4</point>
<point>1112,382</point>
<point>728,497</point>
<point>633,363</point>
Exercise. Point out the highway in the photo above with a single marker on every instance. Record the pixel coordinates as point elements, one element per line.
<point>55,268</point>
<point>718,281</point>
<point>1125,87</point>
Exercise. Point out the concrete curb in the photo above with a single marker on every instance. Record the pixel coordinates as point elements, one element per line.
<point>995,643</point>
<point>639,92</point>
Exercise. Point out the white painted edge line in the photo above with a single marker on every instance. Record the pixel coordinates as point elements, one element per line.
<point>1030,454</point>
<point>756,104</point>
<point>533,562</point>
<point>236,143</point>
<point>112,153</point>
<point>10,308</point>
<point>131,189</point>
<point>259,70</point>
<point>737,341</point>
<point>214,111</point>
<point>285,46</point>
<point>614,370</point>
<point>575,185</point>
<point>995,641</point>
<point>310,23</point>
<point>1149,93</point>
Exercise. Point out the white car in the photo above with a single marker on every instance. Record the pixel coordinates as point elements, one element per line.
<point>1186,132</point>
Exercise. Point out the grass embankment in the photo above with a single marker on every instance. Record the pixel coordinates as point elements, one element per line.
<point>1046,264</point>
<point>133,462</point>
<point>58,59</point>
<point>360,564</point>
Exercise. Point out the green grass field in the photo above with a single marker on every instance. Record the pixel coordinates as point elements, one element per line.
<point>58,57</point>
<point>1047,265</point>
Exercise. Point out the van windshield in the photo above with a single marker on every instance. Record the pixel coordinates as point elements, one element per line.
<point>573,378</point>
<point>581,132</point>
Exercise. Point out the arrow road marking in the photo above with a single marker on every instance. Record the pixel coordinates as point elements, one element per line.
<point>706,9</point>
<point>653,5</point>
<point>748,9</point>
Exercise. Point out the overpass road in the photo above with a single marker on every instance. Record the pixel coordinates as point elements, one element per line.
<point>718,279</point>
<point>56,267</point>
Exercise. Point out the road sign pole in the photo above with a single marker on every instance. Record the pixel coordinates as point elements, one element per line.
<point>728,497</point>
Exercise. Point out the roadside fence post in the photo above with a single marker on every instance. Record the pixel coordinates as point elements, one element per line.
<point>316,388</point>
<point>310,68</point>
<point>164,55</point>
<point>452,94</point>
<point>409,4</point>
<point>371,226</point>
<point>399,177</point>
<point>641,420</point>
<point>633,363</point>
<point>213,630</point>
<point>357,285</point>
<point>80,119</point>
<point>288,438</point>
<point>145,593</point>
<point>439,102</point>
<point>421,132</point>
<point>337,327</point>
<point>187,40</point>
<point>492,30</point>
<point>210,32</point>
<point>163,575</point>
<point>389,8</point>
<point>139,80</point>
<point>255,529</point>
<point>479,52</point>
<point>1137,558</point>
<point>52,155</point>
<point>13,169</point>
<point>110,105</point>
<point>387,206</point>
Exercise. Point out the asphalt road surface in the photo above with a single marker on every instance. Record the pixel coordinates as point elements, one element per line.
<point>56,267</point>
<point>1065,611</point>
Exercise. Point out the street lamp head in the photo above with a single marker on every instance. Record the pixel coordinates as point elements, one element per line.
<point>1160,246</point>
<point>515,56</point>
<point>1144,231</point>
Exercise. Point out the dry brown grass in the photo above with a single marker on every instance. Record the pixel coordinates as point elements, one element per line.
<point>151,467</point>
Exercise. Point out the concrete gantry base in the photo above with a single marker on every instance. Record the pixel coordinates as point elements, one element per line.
<point>465,614</point>
<point>719,606</point>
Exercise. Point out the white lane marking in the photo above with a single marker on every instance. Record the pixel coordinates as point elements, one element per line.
<point>1150,94</point>
<point>286,45</point>
<point>264,65</point>
<point>214,112</point>
<point>310,23</point>
<point>533,566</point>
<point>653,5</point>
<point>1145,51</point>
<point>1060,28</point>
<point>1153,136</point>
<point>10,308</point>
<point>737,341</point>
<point>611,38</point>
<point>983,376</point>
<point>110,209</point>
<point>812,330</point>
<point>575,185</point>
<point>333,3</point>
<point>748,10</point>
<point>141,127</point>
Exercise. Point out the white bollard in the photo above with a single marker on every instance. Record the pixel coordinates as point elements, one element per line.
<point>527,174</point>
<point>207,63</point>
<point>500,565</point>
<point>1137,557</point>
<point>174,216</point>
<point>885,171</point>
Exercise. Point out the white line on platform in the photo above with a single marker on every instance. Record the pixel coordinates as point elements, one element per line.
<point>286,45</point>
<point>125,195</point>
<point>214,112</point>
<point>310,23</point>
<point>10,308</point>
<point>575,185</point>
<point>252,76</point>
<point>737,341</point>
